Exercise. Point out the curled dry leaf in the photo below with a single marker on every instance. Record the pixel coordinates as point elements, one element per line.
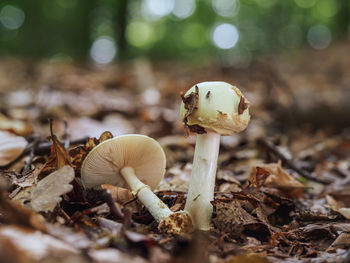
<point>79,153</point>
<point>46,194</point>
<point>11,147</point>
<point>16,126</point>
<point>335,206</point>
<point>58,158</point>
<point>273,175</point>
<point>119,194</point>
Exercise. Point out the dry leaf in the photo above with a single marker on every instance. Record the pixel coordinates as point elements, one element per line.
<point>58,158</point>
<point>112,255</point>
<point>16,214</point>
<point>35,244</point>
<point>119,194</point>
<point>277,178</point>
<point>11,147</point>
<point>335,206</point>
<point>249,258</point>
<point>46,194</point>
<point>16,126</point>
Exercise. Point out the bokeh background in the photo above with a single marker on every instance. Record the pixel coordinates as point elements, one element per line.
<point>232,31</point>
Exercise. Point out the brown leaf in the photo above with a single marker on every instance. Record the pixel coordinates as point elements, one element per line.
<point>58,158</point>
<point>342,241</point>
<point>105,136</point>
<point>46,194</point>
<point>139,238</point>
<point>11,147</point>
<point>259,178</point>
<point>249,258</point>
<point>78,154</point>
<point>16,214</point>
<point>337,207</point>
<point>279,179</point>
<point>62,157</point>
<point>16,126</point>
<point>119,194</point>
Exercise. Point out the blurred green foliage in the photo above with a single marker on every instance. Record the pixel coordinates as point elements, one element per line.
<point>68,29</point>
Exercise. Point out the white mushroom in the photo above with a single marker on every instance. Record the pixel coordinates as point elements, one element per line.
<point>137,162</point>
<point>210,109</point>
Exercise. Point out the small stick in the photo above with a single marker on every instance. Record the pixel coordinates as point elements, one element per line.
<point>66,135</point>
<point>272,148</point>
<point>110,202</point>
<point>40,149</point>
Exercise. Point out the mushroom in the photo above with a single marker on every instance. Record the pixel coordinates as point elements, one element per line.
<point>137,162</point>
<point>210,109</point>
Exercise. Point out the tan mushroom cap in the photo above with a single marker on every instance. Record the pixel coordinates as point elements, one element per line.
<point>218,108</point>
<point>103,164</point>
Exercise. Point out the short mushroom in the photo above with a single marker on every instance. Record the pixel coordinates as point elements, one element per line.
<point>137,162</point>
<point>210,109</point>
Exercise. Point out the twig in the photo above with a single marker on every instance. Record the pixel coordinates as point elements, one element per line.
<point>112,207</point>
<point>28,163</point>
<point>272,148</point>
<point>66,135</point>
<point>40,149</point>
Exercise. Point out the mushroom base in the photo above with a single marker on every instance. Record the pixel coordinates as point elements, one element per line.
<point>176,223</point>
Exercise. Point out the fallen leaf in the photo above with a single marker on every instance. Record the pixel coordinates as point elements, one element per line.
<point>335,206</point>
<point>46,194</point>
<point>16,126</point>
<point>16,214</point>
<point>11,146</point>
<point>112,255</point>
<point>35,244</point>
<point>62,157</point>
<point>249,258</point>
<point>273,175</point>
<point>119,194</point>
<point>79,153</point>
<point>58,158</point>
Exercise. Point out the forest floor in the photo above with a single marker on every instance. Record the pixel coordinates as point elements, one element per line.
<point>282,186</point>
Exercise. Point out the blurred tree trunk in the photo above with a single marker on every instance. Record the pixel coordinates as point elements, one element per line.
<point>121,21</point>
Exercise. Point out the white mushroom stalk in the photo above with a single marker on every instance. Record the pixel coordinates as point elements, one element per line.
<point>210,109</point>
<point>137,162</point>
<point>144,193</point>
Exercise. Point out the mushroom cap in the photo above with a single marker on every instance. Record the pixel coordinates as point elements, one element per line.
<point>221,108</point>
<point>103,164</point>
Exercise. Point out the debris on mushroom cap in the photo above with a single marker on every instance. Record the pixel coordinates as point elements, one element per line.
<point>215,106</point>
<point>177,223</point>
<point>103,164</point>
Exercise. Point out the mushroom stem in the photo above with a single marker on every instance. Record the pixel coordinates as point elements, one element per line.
<point>153,204</point>
<point>202,182</point>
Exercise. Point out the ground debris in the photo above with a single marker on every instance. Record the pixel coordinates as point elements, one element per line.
<point>282,186</point>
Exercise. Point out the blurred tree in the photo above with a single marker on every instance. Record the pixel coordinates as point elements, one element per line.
<point>182,29</point>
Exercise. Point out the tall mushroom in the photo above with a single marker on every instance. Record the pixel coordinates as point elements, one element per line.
<point>138,162</point>
<point>210,109</point>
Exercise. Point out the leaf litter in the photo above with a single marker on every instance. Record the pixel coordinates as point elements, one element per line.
<point>282,188</point>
